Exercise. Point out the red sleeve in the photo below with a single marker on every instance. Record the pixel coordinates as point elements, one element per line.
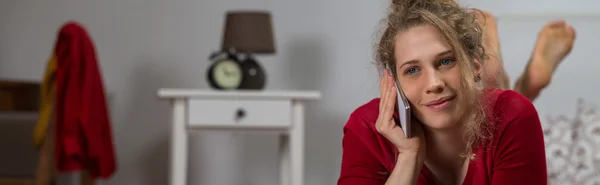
<point>359,164</point>
<point>520,153</point>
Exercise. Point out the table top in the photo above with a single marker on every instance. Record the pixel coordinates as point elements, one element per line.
<point>170,93</point>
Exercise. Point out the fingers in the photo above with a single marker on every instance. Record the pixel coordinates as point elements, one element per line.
<point>388,109</point>
<point>384,88</point>
<point>387,92</point>
<point>387,102</point>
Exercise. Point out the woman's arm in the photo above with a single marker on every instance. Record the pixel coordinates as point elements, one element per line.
<point>520,156</point>
<point>361,166</point>
<point>407,169</point>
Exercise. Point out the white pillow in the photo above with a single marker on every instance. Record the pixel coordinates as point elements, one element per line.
<point>573,146</point>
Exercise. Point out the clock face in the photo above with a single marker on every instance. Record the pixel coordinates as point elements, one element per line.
<point>227,74</point>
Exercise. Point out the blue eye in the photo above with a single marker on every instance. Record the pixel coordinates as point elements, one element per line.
<point>446,61</point>
<point>412,70</point>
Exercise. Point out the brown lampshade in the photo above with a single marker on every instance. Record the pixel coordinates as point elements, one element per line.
<point>248,32</point>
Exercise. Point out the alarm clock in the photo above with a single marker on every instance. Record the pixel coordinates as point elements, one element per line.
<point>225,72</point>
<point>254,74</point>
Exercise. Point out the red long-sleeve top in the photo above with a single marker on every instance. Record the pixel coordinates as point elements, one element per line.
<point>515,155</point>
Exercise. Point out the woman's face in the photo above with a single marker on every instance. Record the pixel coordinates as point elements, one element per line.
<point>430,76</point>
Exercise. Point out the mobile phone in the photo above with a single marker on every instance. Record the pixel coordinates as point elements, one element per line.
<point>403,106</point>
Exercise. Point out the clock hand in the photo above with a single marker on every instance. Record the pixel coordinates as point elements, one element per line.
<point>230,72</point>
<point>226,72</point>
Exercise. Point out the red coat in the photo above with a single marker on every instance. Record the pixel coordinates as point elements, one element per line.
<point>516,156</point>
<point>83,131</point>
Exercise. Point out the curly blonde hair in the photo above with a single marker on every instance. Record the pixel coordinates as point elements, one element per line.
<point>459,28</point>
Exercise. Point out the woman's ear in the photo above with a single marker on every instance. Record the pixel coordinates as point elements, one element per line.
<point>478,67</point>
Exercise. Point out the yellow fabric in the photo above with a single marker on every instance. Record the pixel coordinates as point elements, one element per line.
<point>47,89</point>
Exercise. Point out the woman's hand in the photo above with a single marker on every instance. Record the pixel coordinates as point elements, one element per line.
<point>387,127</point>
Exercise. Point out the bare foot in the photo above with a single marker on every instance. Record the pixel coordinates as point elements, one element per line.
<point>554,43</point>
<point>494,74</point>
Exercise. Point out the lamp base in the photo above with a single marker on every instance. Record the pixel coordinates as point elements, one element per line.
<point>254,77</point>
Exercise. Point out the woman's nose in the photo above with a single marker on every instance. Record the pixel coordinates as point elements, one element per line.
<point>435,83</point>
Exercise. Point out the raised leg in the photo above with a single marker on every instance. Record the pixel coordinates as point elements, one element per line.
<point>179,144</point>
<point>494,74</point>
<point>553,44</point>
<point>297,144</point>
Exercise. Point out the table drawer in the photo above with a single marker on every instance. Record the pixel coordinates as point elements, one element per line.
<point>239,113</point>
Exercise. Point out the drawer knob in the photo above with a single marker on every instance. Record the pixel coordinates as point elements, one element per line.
<point>240,113</point>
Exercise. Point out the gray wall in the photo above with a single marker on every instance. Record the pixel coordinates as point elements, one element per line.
<point>151,44</point>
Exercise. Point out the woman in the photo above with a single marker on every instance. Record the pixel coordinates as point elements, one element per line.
<point>462,133</point>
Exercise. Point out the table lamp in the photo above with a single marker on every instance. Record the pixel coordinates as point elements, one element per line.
<point>247,33</point>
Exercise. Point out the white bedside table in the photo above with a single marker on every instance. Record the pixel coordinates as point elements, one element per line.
<point>278,111</point>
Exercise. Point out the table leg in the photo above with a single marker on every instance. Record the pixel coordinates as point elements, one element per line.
<point>179,144</point>
<point>284,159</point>
<point>297,144</point>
